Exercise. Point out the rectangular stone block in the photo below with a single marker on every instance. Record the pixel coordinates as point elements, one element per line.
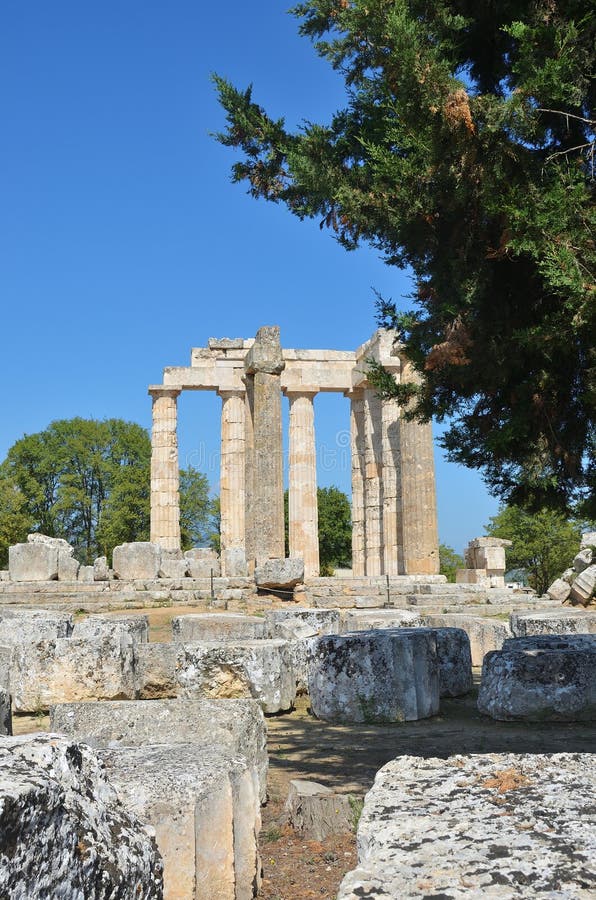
<point>564,621</point>
<point>137,560</point>
<point>68,567</point>
<point>27,626</point>
<point>217,627</point>
<point>485,634</point>
<point>95,627</point>
<point>33,562</point>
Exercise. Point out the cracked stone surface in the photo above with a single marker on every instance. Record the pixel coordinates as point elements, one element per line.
<point>496,826</point>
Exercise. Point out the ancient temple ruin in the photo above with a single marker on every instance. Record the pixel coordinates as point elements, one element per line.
<point>394,515</point>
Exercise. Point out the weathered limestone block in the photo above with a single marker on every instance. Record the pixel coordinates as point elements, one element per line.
<point>69,669</point>
<point>324,621</point>
<point>5,712</point>
<point>485,634</point>
<point>584,586</point>
<point>206,554</point>
<point>101,571</point>
<point>218,627</point>
<point>564,621</point>
<point>503,826</point>
<point>155,670</point>
<point>316,812</point>
<point>56,543</point>
<point>588,539</point>
<point>388,675</point>
<point>95,627</point>
<point>235,562</point>
<point>582,560</point>
<point>202,562</point>
<point>63,831</point>
<point>137,560</point>
<point>282,574</point>
<point>4,575</point>
<point>33,562</point>
<point>5,663</point>
<point>552,642</point>
<point>455,661</point>
<point>68,567</point>
<point>235,725</point>
<point>174,568</point>
<point>204,807</point>
<point>364,620</point>
<point>301,639</point>
<point>27,626</point>
<point>260,669</point>
<point>86,574</point>
<point>472,576</point>
<point>539,684</point>
<point>559,590</point>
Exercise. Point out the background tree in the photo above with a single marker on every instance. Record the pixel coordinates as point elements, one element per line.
<point>88,481</point>
<point>335,529</point>
<point>466,152</point>
<point>450,562</point>
<point>196,509</point>
<point>544,542</point>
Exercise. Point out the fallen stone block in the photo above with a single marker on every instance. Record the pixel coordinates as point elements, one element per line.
<point>365,620</point>
<point>95,627</point>
<point>86,574</point>
<point>455,661</point>
<point>27,626</point>
<point>68,669</point>
<point>236,725</point>
<point>174,568</point>
<point>388,675</point>
<point>259,669</point>
<point>559,590</point>
<point>101,571</point>
<point>316,812</point>
<point>68,567</point>
<point>588,539</point>
<point>485,634</point>
<point>538,685</point>
<point>203,568</point>
<point>503,826</point>
<point>5,712</point>
<point>234,562</point>
<point>324,621</point>
<point>63,831</point>
<point>33,562</point>
<point>217,627</point>
<point>204,807</point>
<point>139,560</point>
<point>552,642</point>
<point>155,670</point>
<point>280,574</point>
<point>584,586</point>
<point>564,621</point>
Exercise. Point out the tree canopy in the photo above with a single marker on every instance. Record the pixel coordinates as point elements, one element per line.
<point>449,562</point>
<point>335,529</point>
<point>88,481</point>
<point>544,543</point>
<point>466,153</point>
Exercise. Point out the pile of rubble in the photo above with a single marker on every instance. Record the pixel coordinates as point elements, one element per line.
<point>577,584</point>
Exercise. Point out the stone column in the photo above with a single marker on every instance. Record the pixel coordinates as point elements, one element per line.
<point>263,365</point>
<point>373,483</point>
<point>249,475</point>
<point>392,532</point>
<point>165,498</point>
<point>232,482</point>
<point>303,508</point>
<point>357,447</point>
<point>418,494</point>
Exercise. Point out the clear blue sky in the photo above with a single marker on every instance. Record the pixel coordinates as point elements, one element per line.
<point>123,242</point>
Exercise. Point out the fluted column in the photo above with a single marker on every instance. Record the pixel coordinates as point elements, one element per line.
<point>373,483</point>
<point>232,482</point>
<point>418,495</point>
<point>165,497</point>
<point>303,508</point>
<point>249,476</point>
<point>357,447</point>
<point>392,534</point>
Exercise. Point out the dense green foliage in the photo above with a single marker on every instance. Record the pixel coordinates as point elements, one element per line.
<point>335,529</point>
<point>449,562</point>
<point>466,152</point>
<point>88,481</point>
<point>544,543</point>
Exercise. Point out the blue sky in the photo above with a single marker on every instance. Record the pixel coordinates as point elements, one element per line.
<point>123,242</point>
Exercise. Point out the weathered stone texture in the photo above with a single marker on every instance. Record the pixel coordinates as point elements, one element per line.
<point>559,590</point>
<point>324,621</point>
<point>155,670</point>
<point>101,571</point>
<point>63,831</point>
<point>217,627</point>
<point>541,684</point>
<point>237,726</point>
<point>364,620</point>
<point>68,567</point>
<point>68,669</point>
<point>302,490</point>
<point>485,634</point>
<point>564,621</point>
<point>5,712</point>
<point>316,812</point>
<point>137,560</point>
<point>174,568</point>
<point>280,573</point>
<point>259,669</point>
<point>584,586</point>
<point>32,562</point>
<point>375,676</point>
<point>96,627</point>
<point>27,626</point>
<point>501,826</point>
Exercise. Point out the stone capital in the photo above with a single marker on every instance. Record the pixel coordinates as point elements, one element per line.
<point>294,393</point>
<point>229,393</point>
<point>161,390</point>
<point>265,355</point>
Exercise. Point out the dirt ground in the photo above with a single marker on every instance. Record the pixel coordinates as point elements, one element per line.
<point>346,758</point>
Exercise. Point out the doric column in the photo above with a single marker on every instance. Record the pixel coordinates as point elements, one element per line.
<point>263,365</point>
<point>391,497</point>
<point>373,483</point>
<point>165,498</point>
<point>418,494</point>
<point>303,509</point>
<point>249,475</point>
<point>357,447</point>
<point>232,482</point>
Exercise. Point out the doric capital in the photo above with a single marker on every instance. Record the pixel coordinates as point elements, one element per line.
<point>161,390</point>
<point>265,354</point>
